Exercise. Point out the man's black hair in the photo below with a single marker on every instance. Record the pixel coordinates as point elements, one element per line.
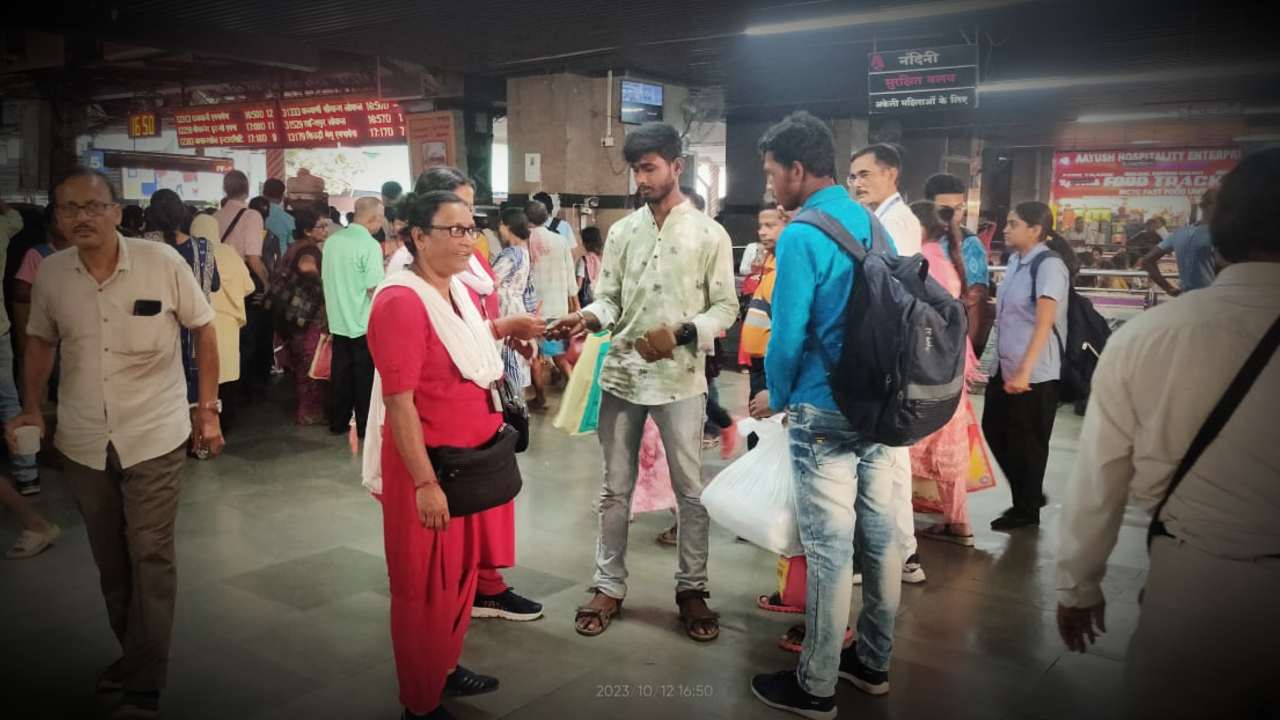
<point>1247,209</point>
<point>81,171</point>
<point>442,178</point>
<point>391,190</point>
<point>885,154</point>
<point>943,184</point>
<point>273,189</point>
<point>654,137</point>
<point>544,197</point>
<point>802,138</point>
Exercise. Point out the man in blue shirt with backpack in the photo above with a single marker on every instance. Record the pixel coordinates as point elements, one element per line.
<point>835,468</point>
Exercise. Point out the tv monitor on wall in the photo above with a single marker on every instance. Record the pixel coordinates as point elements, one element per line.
<point>641,102</point>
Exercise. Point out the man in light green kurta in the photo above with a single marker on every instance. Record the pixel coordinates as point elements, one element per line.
<point>666,290</point>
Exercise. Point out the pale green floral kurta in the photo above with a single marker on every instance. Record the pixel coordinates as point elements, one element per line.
<point>650,277</point>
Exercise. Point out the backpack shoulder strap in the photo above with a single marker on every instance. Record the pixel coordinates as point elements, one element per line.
<point>1036,262</point>
<point>835,230</point>
<point>879,235</point>
<point>555,225</point>
<point>1217,419</point>
<point>234,221</point>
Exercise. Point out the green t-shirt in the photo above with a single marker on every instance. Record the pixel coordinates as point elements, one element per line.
<point>352,267</point>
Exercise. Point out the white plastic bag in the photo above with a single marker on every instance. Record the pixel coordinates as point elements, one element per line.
<point>752,498</point>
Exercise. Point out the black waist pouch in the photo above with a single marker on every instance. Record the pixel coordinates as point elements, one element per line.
<point>478,479</point>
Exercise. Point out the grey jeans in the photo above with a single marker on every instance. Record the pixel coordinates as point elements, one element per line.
<point>620,430</point>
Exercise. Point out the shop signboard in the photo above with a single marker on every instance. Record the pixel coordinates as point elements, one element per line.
<point>292,123</point>
<point>1114,192</point>
<point>940,78</point>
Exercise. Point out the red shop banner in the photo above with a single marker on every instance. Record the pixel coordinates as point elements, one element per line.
<point>1140,173</point>
<point>292,123</point>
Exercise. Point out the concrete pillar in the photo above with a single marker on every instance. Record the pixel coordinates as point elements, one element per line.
<point>563,119</point>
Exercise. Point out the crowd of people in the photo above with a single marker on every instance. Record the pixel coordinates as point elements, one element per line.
<point>427,338</point>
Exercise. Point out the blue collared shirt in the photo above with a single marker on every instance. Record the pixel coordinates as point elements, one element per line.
<point>974,255</point>
<point>1193,249</point>
<point>810,297</point>
<point>280,223</point>
<point>1016,314</point>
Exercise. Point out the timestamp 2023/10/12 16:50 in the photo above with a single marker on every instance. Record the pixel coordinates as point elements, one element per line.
<point>654,691</point>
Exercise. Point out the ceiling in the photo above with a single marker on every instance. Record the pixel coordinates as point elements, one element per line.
<point>230,47</point>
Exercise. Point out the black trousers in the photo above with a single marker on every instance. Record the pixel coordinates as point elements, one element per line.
<point>352,381</point>
<point>257,351</point>
<point>1017,428</point>
<point>758,385</point>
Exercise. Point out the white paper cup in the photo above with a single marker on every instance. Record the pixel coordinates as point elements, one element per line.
<point>28,440</point>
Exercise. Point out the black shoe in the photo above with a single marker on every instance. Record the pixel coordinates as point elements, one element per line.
<point>462,682</point>
<point>781,691</point>
<point>1014,521</point>
<point>872,682</point>
<point>507,606</point>
<point>138,706</point>
<point>28,487</point>
<point>438,714</point>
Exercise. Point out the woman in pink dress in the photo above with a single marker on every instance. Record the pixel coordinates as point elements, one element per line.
<point>943,457</point>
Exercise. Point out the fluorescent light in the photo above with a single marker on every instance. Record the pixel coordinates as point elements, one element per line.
<point>1126,117</point>
<point>1144,142</point>
<point>874,17</point>
<point>1173,75</point>
<point>1273,137</point>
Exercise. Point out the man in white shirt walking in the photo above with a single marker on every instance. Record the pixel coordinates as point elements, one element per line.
<point>1206,638</point>
<point>873,182</point>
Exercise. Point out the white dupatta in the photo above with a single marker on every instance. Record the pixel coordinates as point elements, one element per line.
<point>467,339</point>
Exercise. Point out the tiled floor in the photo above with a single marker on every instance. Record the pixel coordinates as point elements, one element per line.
<point>283,605</point>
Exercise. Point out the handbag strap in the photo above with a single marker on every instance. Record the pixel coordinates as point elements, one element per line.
<point>1217,419</point>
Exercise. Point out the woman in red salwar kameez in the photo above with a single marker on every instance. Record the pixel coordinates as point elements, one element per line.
<point>434,374</point>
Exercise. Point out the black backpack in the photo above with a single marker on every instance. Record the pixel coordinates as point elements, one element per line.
<point>900,376</point>
<point>1087,334</point>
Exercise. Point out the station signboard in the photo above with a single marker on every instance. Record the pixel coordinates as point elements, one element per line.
<point>940,78</point>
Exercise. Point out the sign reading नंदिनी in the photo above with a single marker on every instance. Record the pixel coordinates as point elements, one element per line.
<point>296,123</point>
<point>943,78</point>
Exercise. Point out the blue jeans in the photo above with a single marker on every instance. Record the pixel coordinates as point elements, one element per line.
<point>24,466</point>
<point>836,472</point>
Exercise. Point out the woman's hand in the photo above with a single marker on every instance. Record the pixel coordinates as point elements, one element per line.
<point>1019,383</point>
<point>526,349</point>
<point>433,507</point>
<point>521,327</point>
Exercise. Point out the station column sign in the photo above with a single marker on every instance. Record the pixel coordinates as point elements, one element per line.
<point>940,78</point>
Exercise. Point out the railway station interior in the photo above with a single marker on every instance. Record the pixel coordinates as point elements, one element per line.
<point>479,321</point>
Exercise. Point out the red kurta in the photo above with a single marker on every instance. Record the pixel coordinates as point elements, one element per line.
<point>433,574</point>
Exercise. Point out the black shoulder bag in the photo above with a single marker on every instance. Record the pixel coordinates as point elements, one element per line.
<point>1217,419</point>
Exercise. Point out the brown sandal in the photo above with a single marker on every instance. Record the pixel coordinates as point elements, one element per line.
<point>604,616</point>
<point>695,615</point>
